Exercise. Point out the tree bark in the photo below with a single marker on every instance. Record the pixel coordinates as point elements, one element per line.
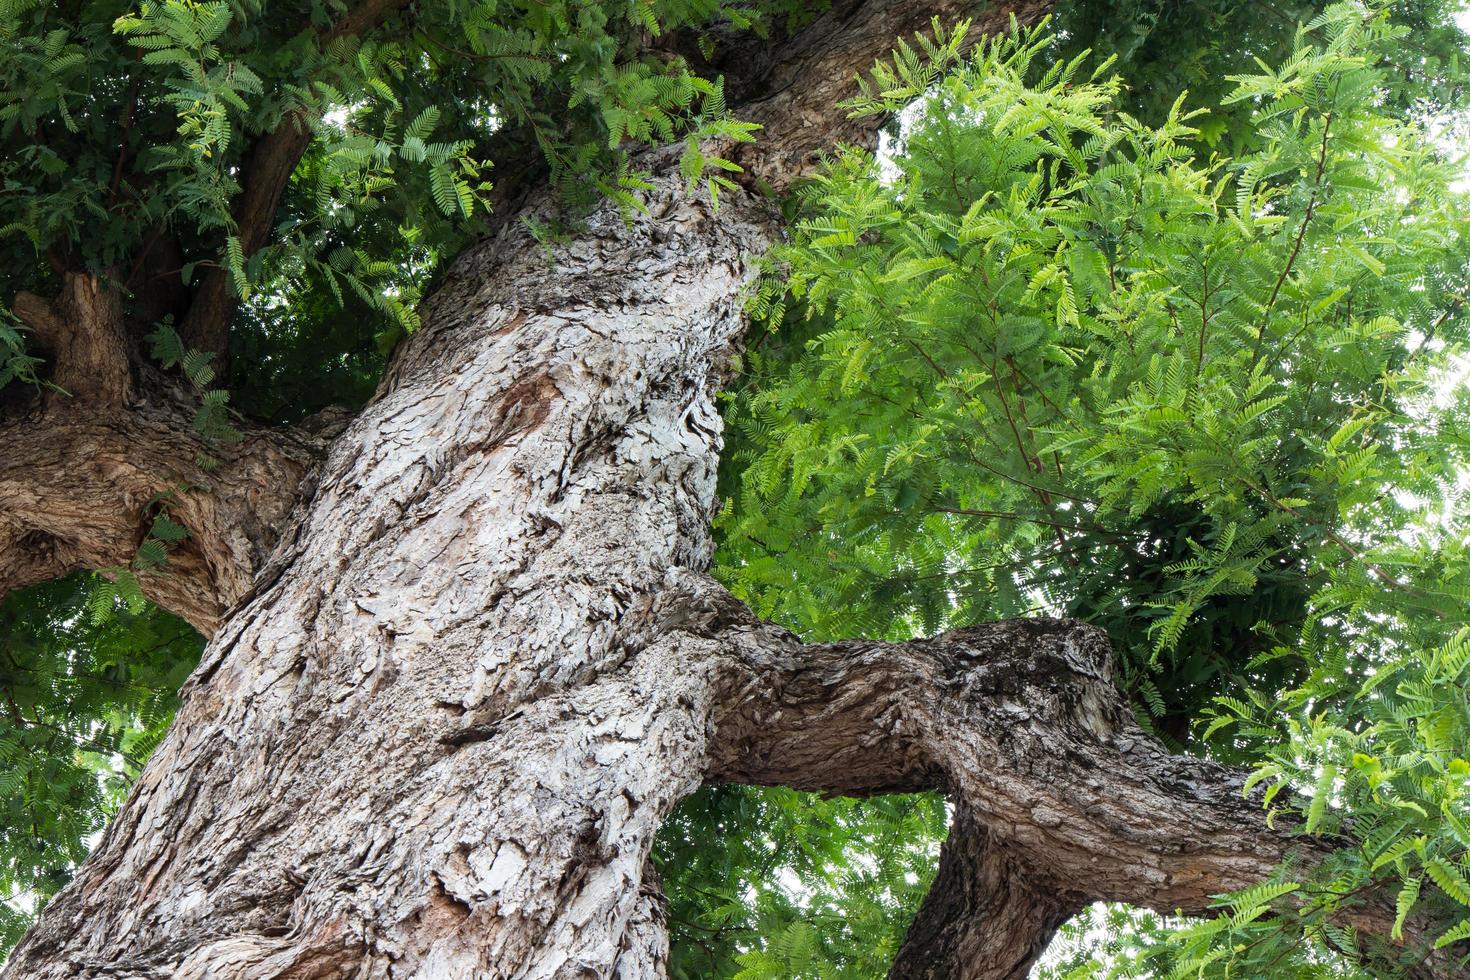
<point>441,737</point>
<point>987,916</point>
<point>88,466</point>
<point>437,735</point>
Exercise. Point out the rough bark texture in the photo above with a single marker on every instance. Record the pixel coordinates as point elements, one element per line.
<point>1022,721</point>
<point>83,327</point>
<point>987,916</point>
<point>86,467</point>
<point>437,736</point>
<point>81,484</point>
<point>454,674</point>
<point>792,88</point>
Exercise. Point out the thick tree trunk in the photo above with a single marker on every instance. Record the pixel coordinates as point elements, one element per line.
<point>438,734</point>
<point>440,738</point>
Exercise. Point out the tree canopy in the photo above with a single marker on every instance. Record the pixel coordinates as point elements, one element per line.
<point>1059,360</point>
<point>1185,366</point>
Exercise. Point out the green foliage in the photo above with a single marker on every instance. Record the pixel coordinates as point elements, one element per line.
<point>775,883</point>
<point>1054,358</point>
<point>121,123</point>
<point>83,702</point>
<point>1165,47</point>
<point>16,364</point>
<point>1062,358</point>
<point>1064,363</point>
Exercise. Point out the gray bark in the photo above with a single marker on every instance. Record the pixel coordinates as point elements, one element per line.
<point>440,736</point>
<point>438,733</point>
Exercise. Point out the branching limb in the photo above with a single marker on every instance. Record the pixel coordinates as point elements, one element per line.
<point>81,485</point>
<point>793,88</point>
<point>1057,791</point>
<point>83,328</point>
<point>86,471</point>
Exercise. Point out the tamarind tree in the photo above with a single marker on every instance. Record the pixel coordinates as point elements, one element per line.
<point>1094,467</point>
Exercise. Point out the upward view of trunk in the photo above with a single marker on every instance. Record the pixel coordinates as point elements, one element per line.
<point>436,734</point>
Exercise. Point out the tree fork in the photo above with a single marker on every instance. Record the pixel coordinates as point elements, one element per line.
<point>1060,799</point>
<point>88,465</point>
<point>80,487</point>
<point>439,733</point>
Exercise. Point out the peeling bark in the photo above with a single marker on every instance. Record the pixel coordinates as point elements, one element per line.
<point>453,674</point>
<point>437,735</point>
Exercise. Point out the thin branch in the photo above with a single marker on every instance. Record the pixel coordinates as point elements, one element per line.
<point>266,173</point>
<point>1296,247</point>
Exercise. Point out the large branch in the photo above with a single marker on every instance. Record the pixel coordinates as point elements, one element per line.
<point>1061,799</point>
<point>265,175</point>
<point>986,917</point>
<point>86,470</point>
<point>81,486</point>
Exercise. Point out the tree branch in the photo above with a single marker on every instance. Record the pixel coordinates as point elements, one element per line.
<point>1058,791</point>
<point>82,483</point>
<point>792,88</point>
<point>264,178</point>
<point>985,917</point>
<point>83,328</point>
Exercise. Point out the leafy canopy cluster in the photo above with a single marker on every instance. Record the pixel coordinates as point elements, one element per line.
<point>1058,359</point>
<point>775,884</point>
<point>130,135</point>
<point>1067,363</point>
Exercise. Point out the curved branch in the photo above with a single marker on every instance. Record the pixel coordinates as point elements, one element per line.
<point>986,917</point>
<point>81,485</point>
<point>1019,722</point>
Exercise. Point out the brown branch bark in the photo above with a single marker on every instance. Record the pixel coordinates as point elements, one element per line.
<point>987,916</point>
<point>82,483</point>
<point>264,177</point>
<point>792,88</point>
<point>1060,798</point>
<point>83,329</point>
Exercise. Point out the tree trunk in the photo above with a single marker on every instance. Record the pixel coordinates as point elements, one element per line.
<point>437,736</point>
<point>443,733</point>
